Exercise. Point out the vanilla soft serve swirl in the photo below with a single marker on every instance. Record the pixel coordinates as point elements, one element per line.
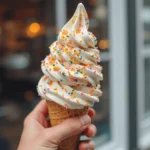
<point>72,75</point>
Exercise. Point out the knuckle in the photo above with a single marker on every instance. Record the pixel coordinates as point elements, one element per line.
<point>71,125</point>
<point>47,135</point>
<point>74,124</point>
<point>94,129</point>
<point>88,144</point>
<point>51,138</point>
<point>92,144</point>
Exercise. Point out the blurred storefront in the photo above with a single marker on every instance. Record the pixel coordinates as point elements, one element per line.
<point>122,28</point>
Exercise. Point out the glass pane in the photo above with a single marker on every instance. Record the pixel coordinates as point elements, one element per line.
<point>27,28</point>
<point>146,17</point>
<point>97,12</point>
<point>147,88</point>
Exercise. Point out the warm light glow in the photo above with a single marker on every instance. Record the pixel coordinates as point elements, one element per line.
<point>29,96</point>
<point>103,44</point>
<point>34,27</point>
<point>92,2</point>
<point>0,30</point>
<point>30,34</point>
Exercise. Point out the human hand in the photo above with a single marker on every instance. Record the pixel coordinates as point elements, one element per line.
<point>38,136</point>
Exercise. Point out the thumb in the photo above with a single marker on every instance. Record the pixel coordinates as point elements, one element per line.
<point>68,128</point>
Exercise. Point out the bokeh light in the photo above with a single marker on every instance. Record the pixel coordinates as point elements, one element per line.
<point>35,27</point>
<point>103,44</point>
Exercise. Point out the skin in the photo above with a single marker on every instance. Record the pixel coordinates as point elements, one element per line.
<point>37,135</point>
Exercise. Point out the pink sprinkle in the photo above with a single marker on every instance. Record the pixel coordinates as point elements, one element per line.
<point>66,106</point>
<point>45,93</point>
<point>70,42</point>
<point>70,80</point>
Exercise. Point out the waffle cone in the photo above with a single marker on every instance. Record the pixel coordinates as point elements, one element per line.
<point>58,114</point>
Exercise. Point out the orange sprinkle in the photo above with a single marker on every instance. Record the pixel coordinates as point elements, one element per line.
<point>77,53</point>
<point>69,74</point>
<point>65,90</point>
<point>70,47</point>
<point>91,92</point>
<point>77,101</point>
<point>86,102</point>
<point>78,31</point>
<point>56,68</point>
<point>84,74</point>
<point>50,83</point>
<point>72,69</point>
<point>80,17</point>
<point>45,78</point>
<point>72,21</point>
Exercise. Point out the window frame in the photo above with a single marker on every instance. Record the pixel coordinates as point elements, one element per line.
<point>118,79</point>
<point>142,54</point>
<point>118,75</point>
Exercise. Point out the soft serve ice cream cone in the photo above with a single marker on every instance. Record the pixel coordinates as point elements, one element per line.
<point>72,75</point>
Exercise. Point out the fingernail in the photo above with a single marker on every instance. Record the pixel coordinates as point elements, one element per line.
<point>94,130</point>
<point>87,146</point>
<point>92,144</point>
<point>85,119</point>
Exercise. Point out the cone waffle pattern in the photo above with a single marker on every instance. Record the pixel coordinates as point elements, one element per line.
<point>58,114</point>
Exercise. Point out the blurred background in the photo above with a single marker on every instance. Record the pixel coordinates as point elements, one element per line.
<point>28,27</point>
